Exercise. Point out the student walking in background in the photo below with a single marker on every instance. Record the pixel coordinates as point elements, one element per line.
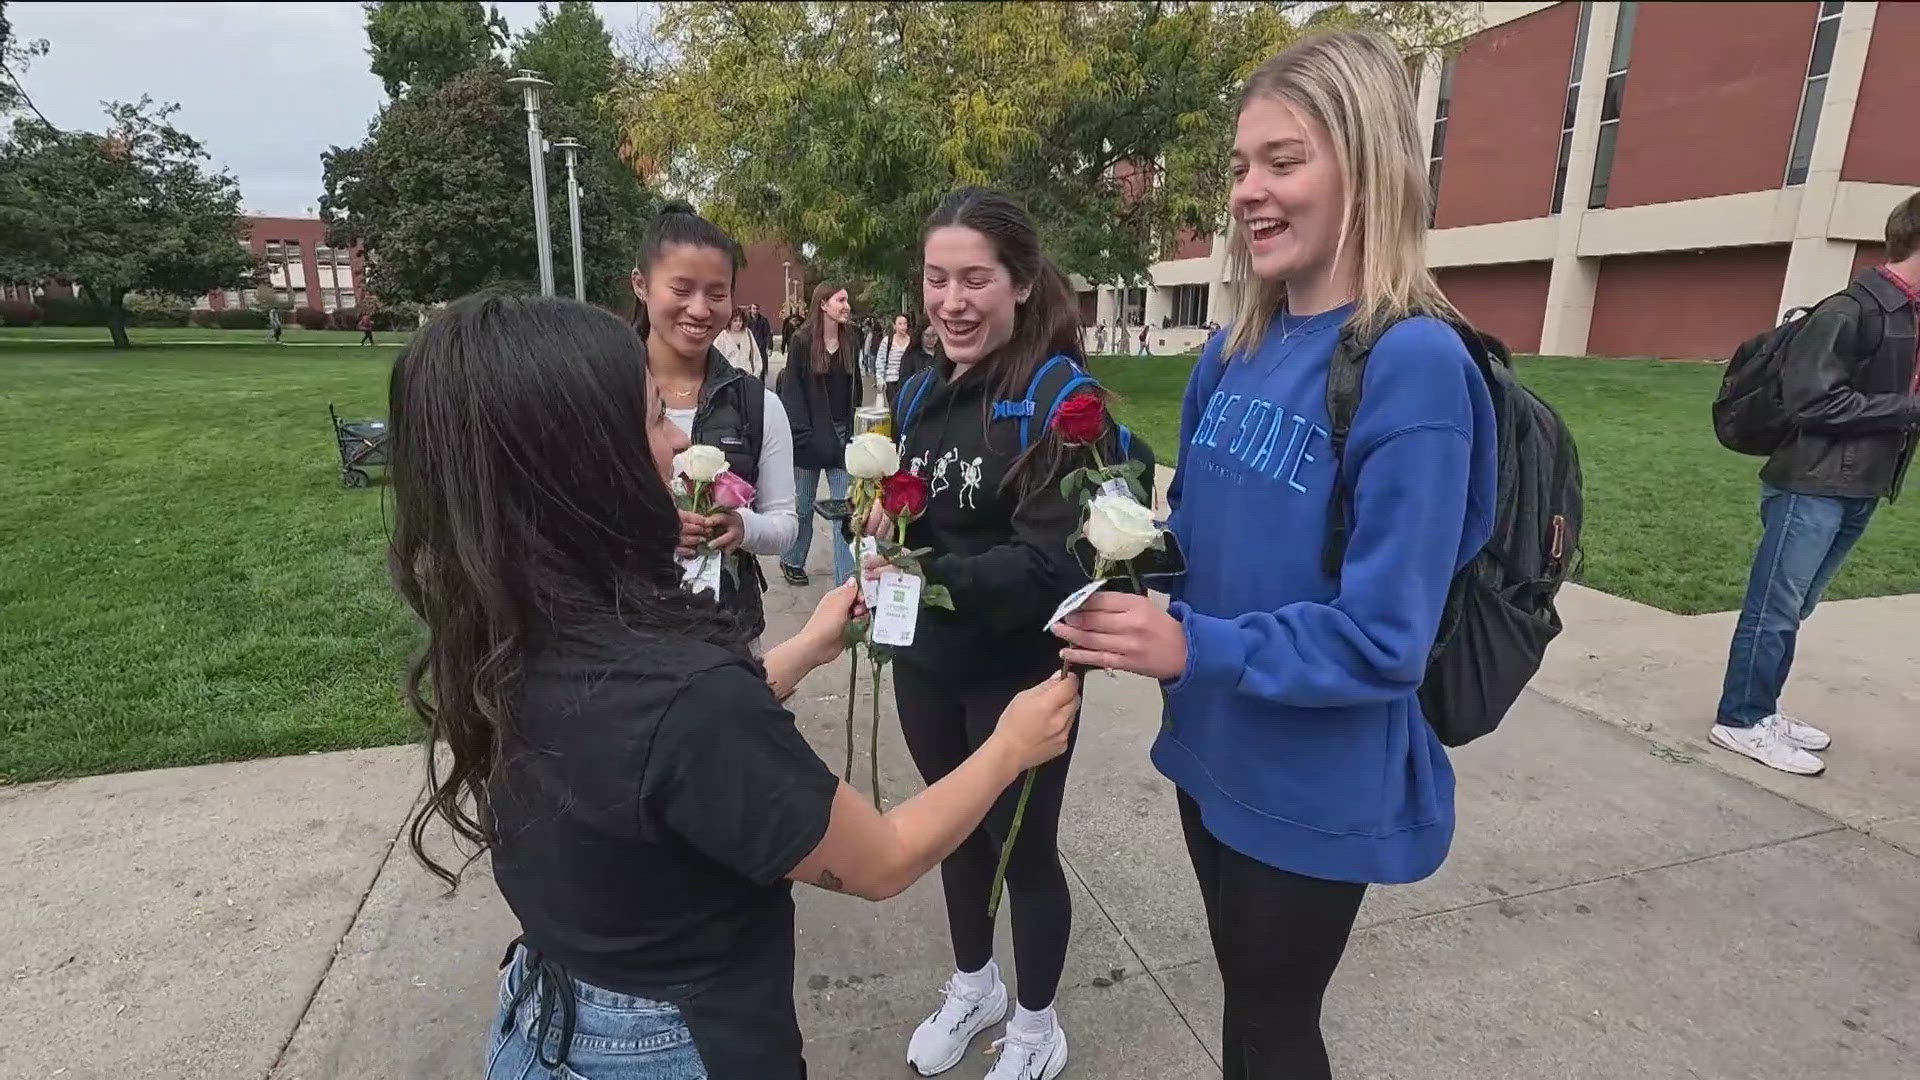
<point>890,359</point>
<point>604,735</point>
<point>762,332</point>
<point>1294,732</point>
<point>1143,339</point>
<point>366,328</point>
<point>273,324</point>
<point>1850,384</point>
<point>1100,337</point>
<point>739,346</point>
<point>820,386</point>
<point>683,285</point>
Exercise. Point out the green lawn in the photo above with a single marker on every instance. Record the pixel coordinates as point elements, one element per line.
<point>182,576</point>
<point>1671,518</point>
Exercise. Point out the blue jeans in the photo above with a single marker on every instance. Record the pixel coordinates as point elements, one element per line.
<point>1805,540</point>
<point>615,1037</point>
<point>806,484</point>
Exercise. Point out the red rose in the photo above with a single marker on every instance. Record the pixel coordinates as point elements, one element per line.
<point>1082,419</point>
<point>903,495</point>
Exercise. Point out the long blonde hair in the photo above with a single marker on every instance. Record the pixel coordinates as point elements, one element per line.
<point>1354,85</point>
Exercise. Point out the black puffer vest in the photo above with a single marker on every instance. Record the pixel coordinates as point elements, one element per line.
<point>731,415</point>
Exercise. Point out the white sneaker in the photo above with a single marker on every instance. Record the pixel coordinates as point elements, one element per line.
<point>1764,743</point>
<point>942,1039</point>
<point>1026,1054</point>
<point>1799,733</point>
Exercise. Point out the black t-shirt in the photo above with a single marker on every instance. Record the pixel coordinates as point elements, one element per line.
<point>647,814</point>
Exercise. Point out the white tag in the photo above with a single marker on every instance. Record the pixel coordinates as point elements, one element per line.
<point>897,611</point>
<point>863,548</point>
<point>702,573</point>
<point>1119,487</point>
<point>1072,603</point>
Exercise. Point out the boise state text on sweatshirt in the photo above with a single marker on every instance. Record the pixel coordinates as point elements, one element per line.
<point>1296,726</point>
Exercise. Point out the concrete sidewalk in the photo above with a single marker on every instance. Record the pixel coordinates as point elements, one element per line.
<point>1621,901</point>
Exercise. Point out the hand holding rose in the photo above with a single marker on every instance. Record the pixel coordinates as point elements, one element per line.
<point>1124,632</point>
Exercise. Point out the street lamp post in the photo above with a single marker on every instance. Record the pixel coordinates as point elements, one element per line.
<point>572,147</point>
<point>531,84</point>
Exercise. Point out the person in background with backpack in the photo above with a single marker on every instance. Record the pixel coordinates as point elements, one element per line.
<point>1294,727</point>
<point>998,526</point>
<point>683,289</point>
<point>1849,398</point>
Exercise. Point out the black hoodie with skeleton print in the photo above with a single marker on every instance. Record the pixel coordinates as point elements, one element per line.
<point>1000,548</point>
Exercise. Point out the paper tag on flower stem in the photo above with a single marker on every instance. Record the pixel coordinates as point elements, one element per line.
<point>1073,603</point>
<point>863,548</point>
<point>896,613</point>
<point>1117,486</point>
<point>701,573</point>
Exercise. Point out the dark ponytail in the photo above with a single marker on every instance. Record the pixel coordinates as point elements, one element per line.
<point>678,224</point>
<point>1045,325</point>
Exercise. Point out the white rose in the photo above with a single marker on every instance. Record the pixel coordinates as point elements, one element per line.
<point>700,463</point>
<point>1119,528</point>
<point>872,457</point>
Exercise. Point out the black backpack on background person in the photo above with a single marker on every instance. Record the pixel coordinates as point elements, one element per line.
<point>1749,414</point>
<point>1499,617</point>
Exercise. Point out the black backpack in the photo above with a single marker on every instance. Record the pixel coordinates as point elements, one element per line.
<point>1499,617</point>
<point>1749,414</point>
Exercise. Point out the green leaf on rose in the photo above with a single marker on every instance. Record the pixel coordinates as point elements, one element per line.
<point>936,596</point>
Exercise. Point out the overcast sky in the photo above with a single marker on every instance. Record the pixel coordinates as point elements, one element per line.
<point>265,86</point>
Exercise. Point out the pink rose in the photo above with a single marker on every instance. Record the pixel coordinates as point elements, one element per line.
<point>731,492</point>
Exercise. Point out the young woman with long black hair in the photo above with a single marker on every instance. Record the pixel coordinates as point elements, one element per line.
<point>820,387</point>
<point>683,290</point>
<point>1294,733</point>
<point>997,526</point>
<point>604,734</point>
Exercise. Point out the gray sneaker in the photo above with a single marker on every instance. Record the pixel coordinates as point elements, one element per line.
<point>1764,743</point>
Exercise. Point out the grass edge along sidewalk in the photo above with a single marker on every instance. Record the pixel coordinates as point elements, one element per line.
<point>184,580</point>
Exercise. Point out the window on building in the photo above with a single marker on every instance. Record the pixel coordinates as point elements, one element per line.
<point>1189,305</point>
<point>1439,147</point>
<point>1610,102</point>
<point>1826,31</point>
<point>299,297</point>
<point>1573,103</point>
<point>249,298</point>
<point>1133,306</point>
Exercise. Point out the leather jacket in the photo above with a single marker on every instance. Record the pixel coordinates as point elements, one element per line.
<point>1848,382</point>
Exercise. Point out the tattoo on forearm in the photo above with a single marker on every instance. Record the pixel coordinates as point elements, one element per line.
<point>831,882</point>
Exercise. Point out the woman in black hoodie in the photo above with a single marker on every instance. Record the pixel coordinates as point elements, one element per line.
<point>820,387</point>
<point>997,526</point>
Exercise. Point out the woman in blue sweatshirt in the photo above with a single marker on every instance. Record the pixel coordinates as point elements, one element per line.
<point>1305,767</point>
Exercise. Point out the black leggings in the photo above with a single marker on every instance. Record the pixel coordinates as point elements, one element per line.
<point>1277,937</point>
<point>945,723</point>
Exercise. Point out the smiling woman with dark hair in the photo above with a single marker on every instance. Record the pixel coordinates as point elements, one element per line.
<point>608,738</point>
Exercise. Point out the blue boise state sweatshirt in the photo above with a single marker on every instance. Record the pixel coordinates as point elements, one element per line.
<point>1296,726</point>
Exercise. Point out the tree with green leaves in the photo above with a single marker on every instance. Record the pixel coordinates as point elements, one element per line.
<point>133,209</point>
<point>439,198</point>
<point>843,123</point>
<point>421,44</point>
<point>14,56</point>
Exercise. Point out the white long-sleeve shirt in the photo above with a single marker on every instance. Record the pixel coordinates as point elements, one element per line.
<point>770,524</point>
<point>887,361</point>
<point>741,350</point>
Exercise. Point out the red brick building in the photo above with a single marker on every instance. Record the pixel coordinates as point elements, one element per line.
<point>1634,179</point>
<point>301,267</point>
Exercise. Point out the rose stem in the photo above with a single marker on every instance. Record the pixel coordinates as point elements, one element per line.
<point>873,751</point>
<point>1006,849</point>
<point>853,690</point>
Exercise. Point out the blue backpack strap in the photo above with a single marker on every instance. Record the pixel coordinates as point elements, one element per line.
<point>1126,440</point>
<point>1075,380</point>
<point>910,397</point>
